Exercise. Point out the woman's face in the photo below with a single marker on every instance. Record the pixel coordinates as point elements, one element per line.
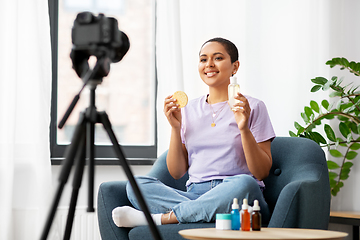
<point>215,67</point>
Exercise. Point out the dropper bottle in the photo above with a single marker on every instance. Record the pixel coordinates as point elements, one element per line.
<point>235,215</point>
<point>245,216</point>
<point>256,217</point>
<point>233,90</point>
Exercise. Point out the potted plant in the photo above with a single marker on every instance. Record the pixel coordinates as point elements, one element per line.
<point>344,112</point>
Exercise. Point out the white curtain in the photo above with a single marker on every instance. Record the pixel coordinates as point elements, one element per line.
<point>25,87</point>
<point>282,44</point>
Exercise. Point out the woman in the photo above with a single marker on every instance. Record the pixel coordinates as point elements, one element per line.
<point>226,153</point>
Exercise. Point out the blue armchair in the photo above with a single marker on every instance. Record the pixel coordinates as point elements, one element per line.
<point>297,191</point>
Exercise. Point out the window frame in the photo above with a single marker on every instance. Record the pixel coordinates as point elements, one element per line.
<point>104,154</point>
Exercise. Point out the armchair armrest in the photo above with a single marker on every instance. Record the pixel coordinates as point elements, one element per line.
<point>303,198</point>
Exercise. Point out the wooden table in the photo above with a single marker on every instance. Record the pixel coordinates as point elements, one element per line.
<point>264,234</point>
<point>348,218</point>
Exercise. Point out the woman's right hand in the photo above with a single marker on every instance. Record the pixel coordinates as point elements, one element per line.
<point>172,112</point>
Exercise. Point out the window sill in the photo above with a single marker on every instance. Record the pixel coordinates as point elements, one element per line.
<point>111,161</point>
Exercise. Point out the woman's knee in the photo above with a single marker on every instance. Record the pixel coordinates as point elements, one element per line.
<point>141,181</point>
<point>244,186</point>
<point>243,181</point>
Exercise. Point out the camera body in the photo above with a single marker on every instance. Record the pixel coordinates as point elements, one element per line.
<point>98,36</point>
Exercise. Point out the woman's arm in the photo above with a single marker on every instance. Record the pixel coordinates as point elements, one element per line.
<point>258,155</point>
<point>176,159</point>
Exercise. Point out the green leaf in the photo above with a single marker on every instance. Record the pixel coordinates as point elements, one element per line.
<point>344,175</point>
<point>292,134</point>
<point>325,104</point>
<point>335,190</point>
<point>297,125</point>
<point>352,126</point>
<point>349,138</point>
<point>346,106</point>
<point>333,175</point>
<point>315,88</point>
<point>317,137</point>
<point>327,86</point>
<point>308,112</point>
<point>319,80</point>
<point>347,165</point>
<point>355,146</point>
<point>329,133</point>
<point>332,183</point>
<point>352,65</point>
<point>338,105</point>
<point>329,116</point>
<point>335,153</point>
<point>342,118</point>
<point>332,165</point>
<point>345,62</point>
<point>314,106</point>
<point>351,155</point>
<point>344,129</point>
<point>358,128</point>
<point>305,118</point>
<point>330,63</point>
<point>335,94</point>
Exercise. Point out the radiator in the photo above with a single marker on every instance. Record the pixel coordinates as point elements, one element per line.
<point>85,225</point>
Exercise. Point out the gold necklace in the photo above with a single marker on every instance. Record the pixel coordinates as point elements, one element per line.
<point>214,116</point>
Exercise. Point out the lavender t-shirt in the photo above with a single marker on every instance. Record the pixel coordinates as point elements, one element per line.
<point>216,152</point>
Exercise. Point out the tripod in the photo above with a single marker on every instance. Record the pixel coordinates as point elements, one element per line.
<point>83,140</point>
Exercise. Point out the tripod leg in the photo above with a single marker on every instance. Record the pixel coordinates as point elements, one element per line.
<point>64,174</point>
<point>107,125</point>
<point>91,163</point>
<point>76,186</point>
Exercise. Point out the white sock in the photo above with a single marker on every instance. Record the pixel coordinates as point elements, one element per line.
<point>130,217</point>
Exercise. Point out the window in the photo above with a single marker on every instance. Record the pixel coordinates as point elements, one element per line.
<point>127,94</point>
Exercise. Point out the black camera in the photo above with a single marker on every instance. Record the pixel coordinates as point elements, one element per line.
<point>98,36</point>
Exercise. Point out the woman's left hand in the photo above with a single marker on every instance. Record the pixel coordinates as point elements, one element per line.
<point>242,112</point>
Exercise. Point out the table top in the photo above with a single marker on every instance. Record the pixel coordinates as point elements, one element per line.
<point>345,214</point>
<point>264,234</point>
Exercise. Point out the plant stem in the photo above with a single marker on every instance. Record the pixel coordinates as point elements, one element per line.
<point>355,119</point>
<point>332,144</point>
<point>352,71</point>
<point>344,159</point>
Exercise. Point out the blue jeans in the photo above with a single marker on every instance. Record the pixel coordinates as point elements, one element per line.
<point>201,201</point>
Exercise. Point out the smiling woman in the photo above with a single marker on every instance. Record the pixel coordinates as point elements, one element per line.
<point>224,161</point>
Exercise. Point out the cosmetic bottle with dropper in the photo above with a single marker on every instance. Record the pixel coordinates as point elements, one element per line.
<point>235,215</point>
<point>256,217</point>
<point>233,90</point>
<point>245,216</point>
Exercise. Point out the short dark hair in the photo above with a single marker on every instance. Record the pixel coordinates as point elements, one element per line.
<point>230,47</point>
